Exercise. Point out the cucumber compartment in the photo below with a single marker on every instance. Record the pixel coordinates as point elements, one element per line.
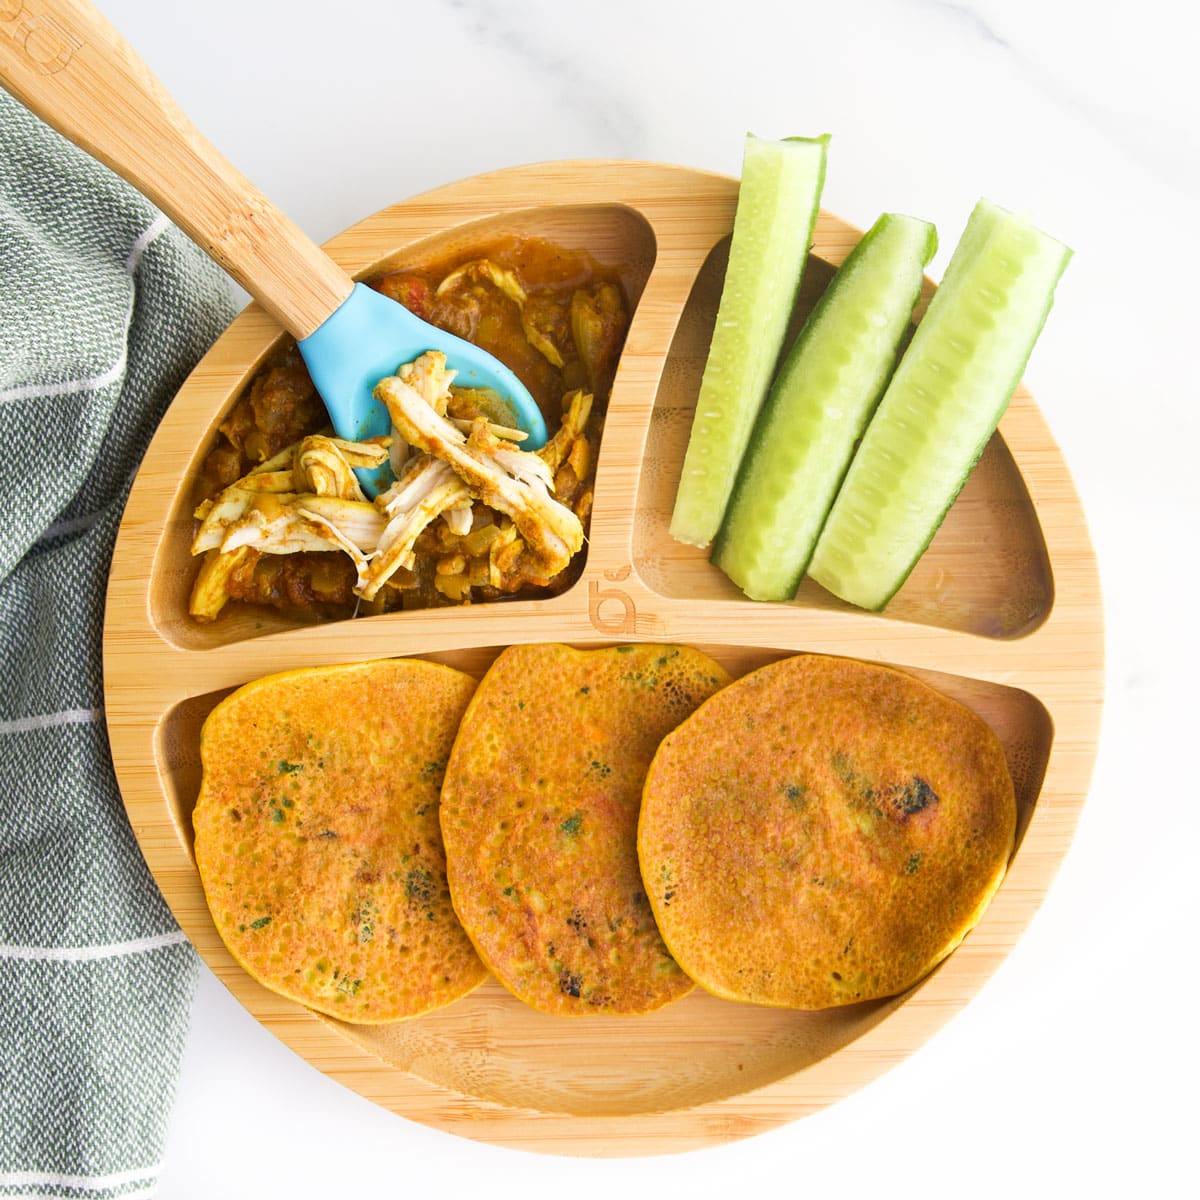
<point>817,408</point>
<point>941,407</point>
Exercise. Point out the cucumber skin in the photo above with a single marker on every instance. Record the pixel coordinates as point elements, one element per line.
<point>699,503</point>
<point>788,392</point>
<point>987,221</point>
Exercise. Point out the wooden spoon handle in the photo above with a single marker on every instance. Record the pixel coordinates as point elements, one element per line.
<point>64,61</point>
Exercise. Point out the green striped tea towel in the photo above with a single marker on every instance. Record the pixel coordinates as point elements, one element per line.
<point>104,308</point>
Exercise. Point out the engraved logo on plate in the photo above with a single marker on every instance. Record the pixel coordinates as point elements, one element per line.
<point>610,609</point>
<point>47,44</point>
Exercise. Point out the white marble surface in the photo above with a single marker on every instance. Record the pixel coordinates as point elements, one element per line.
<point>1071,1073</point>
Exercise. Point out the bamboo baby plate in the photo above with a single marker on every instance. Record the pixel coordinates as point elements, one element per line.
<point>1002,613</point>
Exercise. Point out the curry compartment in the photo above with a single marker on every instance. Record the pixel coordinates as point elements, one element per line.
<point>283,522</point>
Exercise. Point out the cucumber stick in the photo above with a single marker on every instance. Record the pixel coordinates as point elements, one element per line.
<point>817,408</point>
<point>942,405</point>
<point>772,231</point>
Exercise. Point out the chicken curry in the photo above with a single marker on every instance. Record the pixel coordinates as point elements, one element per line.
<point>471,516</point>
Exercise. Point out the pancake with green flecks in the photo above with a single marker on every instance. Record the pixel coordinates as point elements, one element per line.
<point>539,816</point>
<point>317,837</point>
<point>823,831</point>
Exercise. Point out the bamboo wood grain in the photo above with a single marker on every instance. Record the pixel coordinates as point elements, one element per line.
<point>1003,613</point>
<point>66,63</point>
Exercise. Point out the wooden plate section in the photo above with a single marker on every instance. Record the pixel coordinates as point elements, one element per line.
<point>1003,613</point>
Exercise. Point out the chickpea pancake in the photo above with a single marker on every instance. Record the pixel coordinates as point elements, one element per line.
<point>823,831</point>
<point>317,837</point>
<point>539,815</point>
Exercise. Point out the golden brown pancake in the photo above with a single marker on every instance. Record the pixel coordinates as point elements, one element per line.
<point>823,831</point>
<point>539,816</point>
<point>317,837</point>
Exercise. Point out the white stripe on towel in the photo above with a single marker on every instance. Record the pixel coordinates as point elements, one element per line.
<point>71,716</point>
<point>31,391</point>
<point>156,227</point>
<point>87,1183</point>
<point>149,1188</point>
<point>76,954</point>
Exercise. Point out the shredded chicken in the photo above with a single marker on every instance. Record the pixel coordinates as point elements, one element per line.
<point>597,329</point>
<point>460,517</point>
<point>428,488</point>
<point>512,481</point>
<point>484,268</point>
<point>304,499</point>
<point>501,526</point>
<point>429,377</point>
<point>325,466</point>
<point>211,589</point>
<point>577,408</point>
<point>266,520</point>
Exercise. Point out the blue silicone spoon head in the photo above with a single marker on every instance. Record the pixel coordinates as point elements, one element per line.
<point>366,339</point>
